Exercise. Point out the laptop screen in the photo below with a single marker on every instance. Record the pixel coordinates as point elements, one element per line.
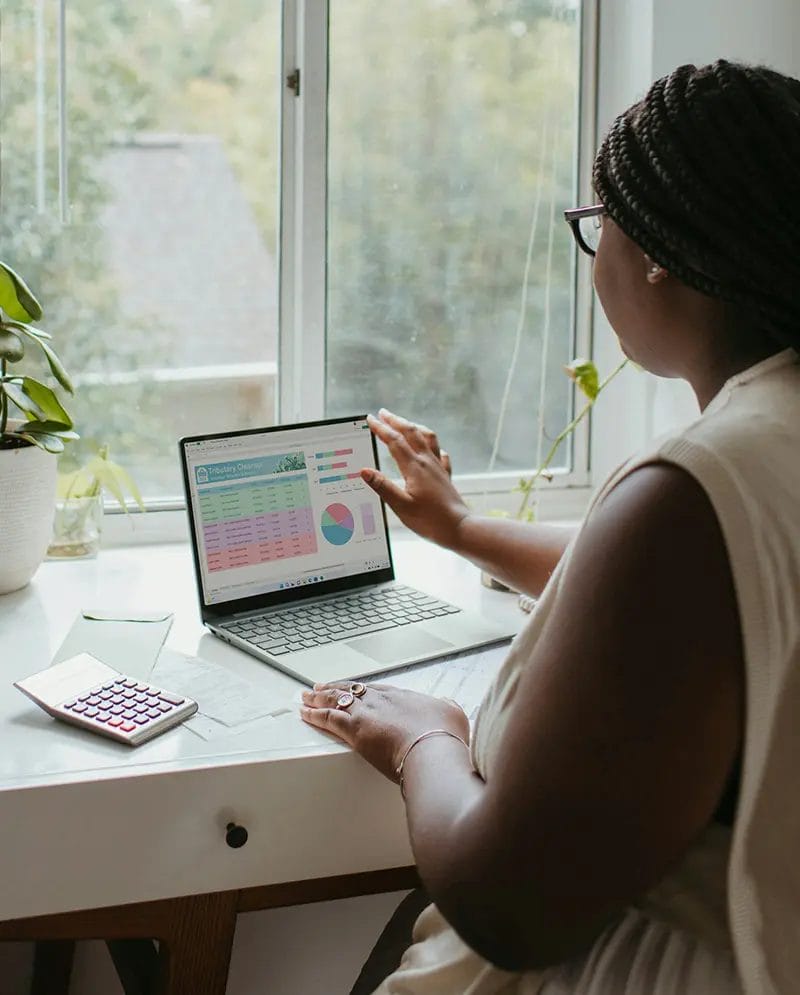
<point>274,510</point>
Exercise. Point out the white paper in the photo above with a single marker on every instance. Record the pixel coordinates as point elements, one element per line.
<point>220,695</point>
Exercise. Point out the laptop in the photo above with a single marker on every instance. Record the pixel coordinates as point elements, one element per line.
<point>293,560</point>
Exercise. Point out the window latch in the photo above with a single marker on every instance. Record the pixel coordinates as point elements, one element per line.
<point>293,81</point>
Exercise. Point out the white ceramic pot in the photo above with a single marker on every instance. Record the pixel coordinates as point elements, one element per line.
<point>27,506</point>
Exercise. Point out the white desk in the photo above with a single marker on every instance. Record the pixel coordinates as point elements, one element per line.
<point>88,824</point>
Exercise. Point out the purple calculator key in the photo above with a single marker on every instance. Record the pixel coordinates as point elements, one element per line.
<point>154,713</point>
<point>129,713</point>
<point>105,695</point>
<point>116,721</point>
<point>141,720</point>
<point>116,709</point>
<point>93,699</point>
<point>128,683</point>
<point>91,712</point>
<point>142,687</point>
<point>117,699</point>
<point>70,704</point>
<point>103,716</point>
<point>79,707</point>
<point>173,699</point>
<point>140,697</point>
<point>164,707</point>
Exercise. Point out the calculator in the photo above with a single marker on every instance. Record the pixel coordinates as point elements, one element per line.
<point>85,691</point>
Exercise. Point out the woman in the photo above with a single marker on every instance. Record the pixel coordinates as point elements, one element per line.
<point>585,842</point>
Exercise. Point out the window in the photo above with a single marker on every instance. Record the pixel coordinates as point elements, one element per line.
<point>168,195</point>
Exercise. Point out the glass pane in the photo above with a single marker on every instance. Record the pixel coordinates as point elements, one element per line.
<point>452,154</point>
<point>160,284</point>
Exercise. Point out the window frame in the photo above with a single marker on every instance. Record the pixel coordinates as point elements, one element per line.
<point>302,268</point>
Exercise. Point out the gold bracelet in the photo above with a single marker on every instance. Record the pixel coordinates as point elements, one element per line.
<point>425,735</point>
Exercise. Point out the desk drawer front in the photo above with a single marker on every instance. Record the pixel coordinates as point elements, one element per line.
<point>142,838</point>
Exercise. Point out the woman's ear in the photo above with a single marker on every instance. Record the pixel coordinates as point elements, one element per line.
<point>654,272</point>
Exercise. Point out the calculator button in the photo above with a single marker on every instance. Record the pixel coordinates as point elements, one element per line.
<point>141,720</point>
<point>128,683</point>
<point>140,697</point>
<point>109,684</point>
<point>141,707</point>
<point>92,700</point>
<point>129,713</point>
<point>103,716</point>
<point>173,699</point>
<point>116,709</point>
<point>79,707</point>
<point>129,693</point>
<point>154,713</point>
<point>127,727</point>
<point>115,721</point>
<point>91,712</point>
<point>142,687</point>
<point>105,695</point>
<point>117,699</point>
<point>164,707</point>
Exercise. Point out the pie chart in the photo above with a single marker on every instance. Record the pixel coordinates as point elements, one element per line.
<point>337,524</point>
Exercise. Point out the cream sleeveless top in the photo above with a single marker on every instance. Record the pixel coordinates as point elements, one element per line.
<point>727,920</point>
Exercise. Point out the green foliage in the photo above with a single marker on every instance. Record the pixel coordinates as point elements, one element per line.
<point>584,374</point>
<point>97,475</point>
<point>48,425</point>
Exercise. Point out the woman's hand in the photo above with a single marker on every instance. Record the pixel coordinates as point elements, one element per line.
<point>383,722</point>
<point>429,504</point>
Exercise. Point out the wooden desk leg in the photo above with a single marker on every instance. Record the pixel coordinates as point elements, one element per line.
<point>195,953</point>
<point>52,967</point>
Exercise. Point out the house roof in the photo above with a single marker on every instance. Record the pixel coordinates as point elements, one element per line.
<point>186,252</point>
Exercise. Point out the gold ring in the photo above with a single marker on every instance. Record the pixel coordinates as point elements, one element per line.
<point>345,700</point>
<point>358,689</point>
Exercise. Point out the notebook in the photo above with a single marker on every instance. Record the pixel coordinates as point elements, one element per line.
<point>293,558</point>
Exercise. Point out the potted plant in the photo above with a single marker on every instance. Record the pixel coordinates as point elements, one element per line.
<point>79,509</point>
<point>33,429</point>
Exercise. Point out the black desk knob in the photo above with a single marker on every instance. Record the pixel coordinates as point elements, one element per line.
<point>235,836</point>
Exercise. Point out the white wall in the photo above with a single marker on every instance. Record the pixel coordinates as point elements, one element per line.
<point>641,40</point>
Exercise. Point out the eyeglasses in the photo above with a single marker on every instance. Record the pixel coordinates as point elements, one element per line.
<point>586,224</point>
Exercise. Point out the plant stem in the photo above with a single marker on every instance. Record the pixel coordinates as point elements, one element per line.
<point>3,402</point>
<point>528,490</point>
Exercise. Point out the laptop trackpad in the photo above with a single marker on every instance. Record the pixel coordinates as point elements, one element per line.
<point>398,644</point>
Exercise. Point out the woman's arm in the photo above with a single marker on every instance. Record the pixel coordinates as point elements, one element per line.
<point>519,554</point>
<point>625,725</point>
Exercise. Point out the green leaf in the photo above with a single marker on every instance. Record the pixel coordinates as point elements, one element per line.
<point>47,402</point>
<point>16,298</point>
<point>15,393</point>
<point>107,478</point>
<point>50,443</point>
<point>50,428</point>
<point>38,333</point>
<point>126,481</point>
<point>584,373</point>
<point>53,361</point>
<point>12,348</point>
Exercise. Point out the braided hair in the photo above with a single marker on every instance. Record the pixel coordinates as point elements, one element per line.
<point>703,174</point>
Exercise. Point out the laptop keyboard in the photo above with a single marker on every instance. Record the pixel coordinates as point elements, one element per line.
<point>301,627</point>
